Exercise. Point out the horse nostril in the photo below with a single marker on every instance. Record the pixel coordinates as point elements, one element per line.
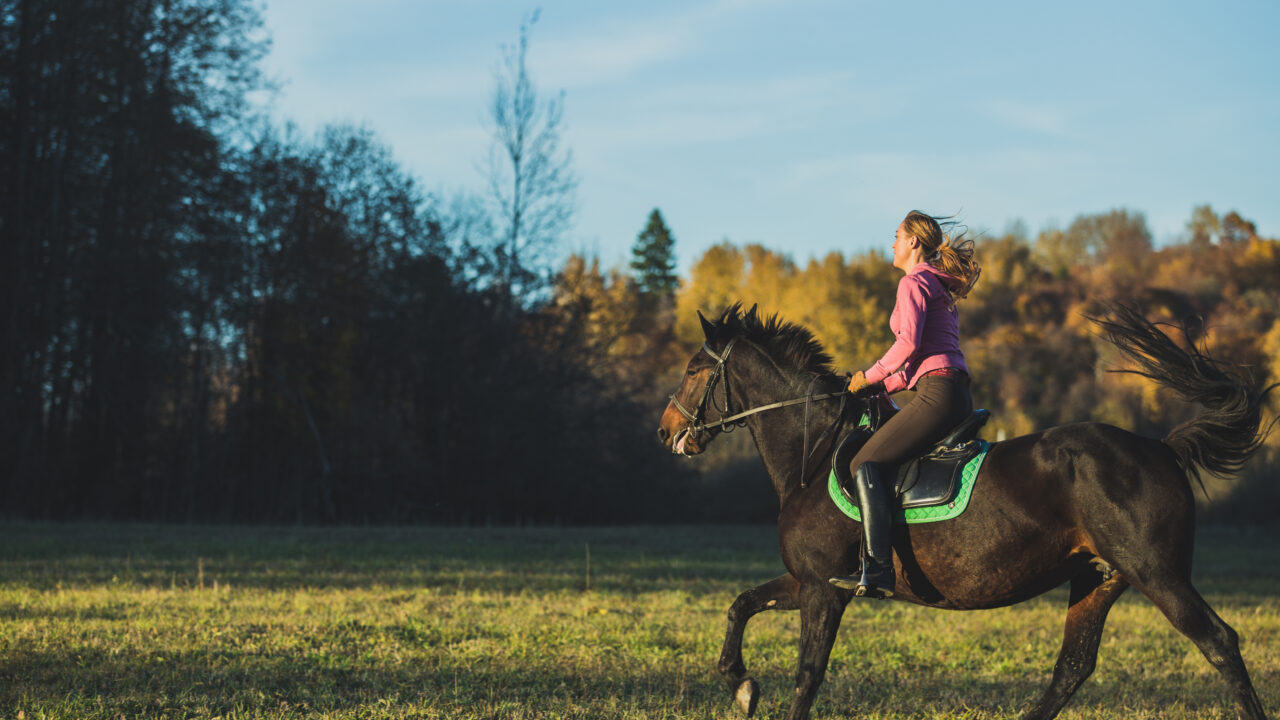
<point>663,434</point>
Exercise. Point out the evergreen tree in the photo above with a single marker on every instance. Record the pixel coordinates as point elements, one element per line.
<point>653,259</point>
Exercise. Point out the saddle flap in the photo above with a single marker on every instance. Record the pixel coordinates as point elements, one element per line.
<point>932,479</point>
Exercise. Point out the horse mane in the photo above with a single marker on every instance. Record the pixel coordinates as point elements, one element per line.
<point>787,343</point>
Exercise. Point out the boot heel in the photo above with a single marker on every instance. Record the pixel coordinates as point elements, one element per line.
<point>873,593</point>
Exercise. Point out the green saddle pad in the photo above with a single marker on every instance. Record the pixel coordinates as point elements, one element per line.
<point>933,513</point>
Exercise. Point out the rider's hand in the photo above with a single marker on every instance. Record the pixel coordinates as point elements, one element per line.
<point>858,382</point>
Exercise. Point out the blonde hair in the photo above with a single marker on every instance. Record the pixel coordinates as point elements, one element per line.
<point>945,248</point>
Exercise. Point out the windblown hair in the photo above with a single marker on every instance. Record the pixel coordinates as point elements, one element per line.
<point>947,248</point>
<point>787,343</point>
<point>1223,437</point>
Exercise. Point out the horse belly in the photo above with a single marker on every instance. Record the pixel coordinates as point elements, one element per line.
<point>975,573</point>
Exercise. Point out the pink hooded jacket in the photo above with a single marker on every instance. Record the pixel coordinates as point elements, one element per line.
<point>927,326</point>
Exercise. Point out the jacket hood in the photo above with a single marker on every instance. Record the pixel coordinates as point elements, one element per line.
<point>949,281</point>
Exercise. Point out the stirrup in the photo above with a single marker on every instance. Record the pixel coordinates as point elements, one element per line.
<point>874,593</point>
<point>877,580</point>
<point>859,588</point>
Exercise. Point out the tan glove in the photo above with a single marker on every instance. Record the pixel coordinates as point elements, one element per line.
<point>858,382</point>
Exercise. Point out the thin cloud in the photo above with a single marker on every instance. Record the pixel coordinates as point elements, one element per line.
<point>599,60</point>
<point>623,48</point>
<point>1031,117</point>
<point>720,111</point>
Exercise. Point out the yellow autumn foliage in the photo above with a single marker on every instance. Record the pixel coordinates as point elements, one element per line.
<point>1036,359</point>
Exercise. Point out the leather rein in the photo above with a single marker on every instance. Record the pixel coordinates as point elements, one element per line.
<point>737,420</point>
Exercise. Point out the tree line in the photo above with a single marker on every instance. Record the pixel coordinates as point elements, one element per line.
<point>209,317</point>
<point>1035,358</point>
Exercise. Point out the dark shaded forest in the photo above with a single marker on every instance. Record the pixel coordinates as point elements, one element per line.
<point>206,317</point>
<point>209,318</point>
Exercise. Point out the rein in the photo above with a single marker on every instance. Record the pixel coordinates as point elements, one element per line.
<point>697,426</point>
<point>805,452</point>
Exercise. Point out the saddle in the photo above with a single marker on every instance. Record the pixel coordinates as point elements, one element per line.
<point>928,480</point>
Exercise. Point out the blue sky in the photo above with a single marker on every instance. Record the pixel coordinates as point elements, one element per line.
<point>815,126</point>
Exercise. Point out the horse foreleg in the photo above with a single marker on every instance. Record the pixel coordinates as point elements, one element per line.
<point>821,607</point>
<point>1091,600</point>
<point>780,593</point>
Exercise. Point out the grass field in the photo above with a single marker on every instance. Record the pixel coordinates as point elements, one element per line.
<point>105,621</point>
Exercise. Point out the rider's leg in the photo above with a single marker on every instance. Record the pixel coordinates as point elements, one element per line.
<point>875,503</point>
<point>940,404</point>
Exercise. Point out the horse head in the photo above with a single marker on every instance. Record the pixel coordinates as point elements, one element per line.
<point>694,414</point>
<point>773,359</point>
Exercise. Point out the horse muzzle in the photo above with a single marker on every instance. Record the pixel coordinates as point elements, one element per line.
<point>677,434</point>
<point>686,442</point>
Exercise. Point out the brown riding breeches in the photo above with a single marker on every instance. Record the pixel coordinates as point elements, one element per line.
<point>940,404</point>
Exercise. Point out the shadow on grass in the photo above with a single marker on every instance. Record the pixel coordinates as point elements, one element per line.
<point>97,683</point>
<point>214,683</point>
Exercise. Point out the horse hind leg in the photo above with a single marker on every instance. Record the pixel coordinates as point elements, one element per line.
<point>1192,616</point>
<point>1092,594</point>
<point>781,593</point>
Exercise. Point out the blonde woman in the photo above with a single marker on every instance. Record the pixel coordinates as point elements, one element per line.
<point>940,269</point>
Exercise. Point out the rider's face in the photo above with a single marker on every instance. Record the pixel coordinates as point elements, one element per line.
<point>904,246</point>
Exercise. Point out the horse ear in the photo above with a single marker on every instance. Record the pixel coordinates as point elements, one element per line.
<point>707,327</point>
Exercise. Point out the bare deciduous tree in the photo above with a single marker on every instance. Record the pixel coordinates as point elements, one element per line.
<point>531,181</point>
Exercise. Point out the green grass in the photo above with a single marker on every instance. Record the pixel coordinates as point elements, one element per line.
<point>104,621</point>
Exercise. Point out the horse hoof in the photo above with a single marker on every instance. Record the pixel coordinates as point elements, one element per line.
<point>747,695</point>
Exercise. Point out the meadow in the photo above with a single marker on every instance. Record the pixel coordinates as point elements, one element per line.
<point>144,621</point>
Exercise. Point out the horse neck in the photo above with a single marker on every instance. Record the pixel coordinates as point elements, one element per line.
<point>779,434</point>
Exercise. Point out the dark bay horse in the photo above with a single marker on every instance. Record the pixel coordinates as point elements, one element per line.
<point>1087,504</point>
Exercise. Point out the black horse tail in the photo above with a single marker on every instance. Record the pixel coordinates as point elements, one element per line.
<point>1221,438</point>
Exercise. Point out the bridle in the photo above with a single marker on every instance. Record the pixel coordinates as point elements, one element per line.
<point>697,425</point>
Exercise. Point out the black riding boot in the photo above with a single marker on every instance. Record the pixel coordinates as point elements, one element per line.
<point>877,579</point>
